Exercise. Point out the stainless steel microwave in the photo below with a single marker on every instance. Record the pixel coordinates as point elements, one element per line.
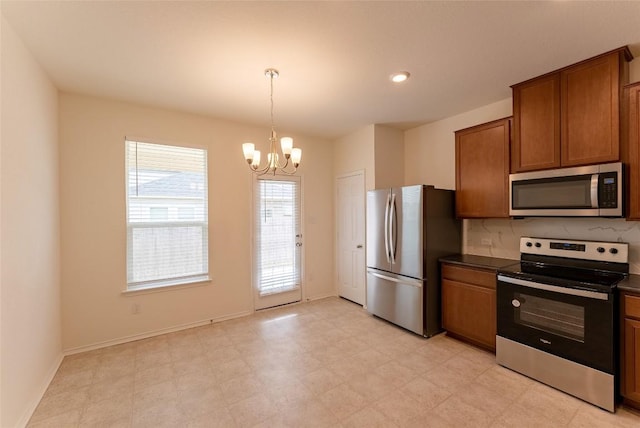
<point>584,191</point>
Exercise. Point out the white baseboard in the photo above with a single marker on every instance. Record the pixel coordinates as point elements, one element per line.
<point>319,297</point>
<point>153,333</point>
<point>33,404</point>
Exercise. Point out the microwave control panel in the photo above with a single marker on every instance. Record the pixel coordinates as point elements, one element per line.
<point>607,190</point>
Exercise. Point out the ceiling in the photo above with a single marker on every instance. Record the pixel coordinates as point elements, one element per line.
<point>334,57</point>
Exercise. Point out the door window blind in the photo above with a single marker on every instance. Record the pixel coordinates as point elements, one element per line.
<point>167,215</point>
<point>277,235</point>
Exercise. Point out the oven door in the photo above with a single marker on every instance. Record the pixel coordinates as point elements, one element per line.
<point>571,323</point>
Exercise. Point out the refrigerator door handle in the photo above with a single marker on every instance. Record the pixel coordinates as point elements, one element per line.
<point>392,237</point>
<point>386,228</point>
<point>412,282</point>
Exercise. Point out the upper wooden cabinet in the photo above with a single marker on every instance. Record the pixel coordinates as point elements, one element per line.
<point>482,170</point>
<point>632,101</point>
<point>536,124</point>
<point>571,116</point>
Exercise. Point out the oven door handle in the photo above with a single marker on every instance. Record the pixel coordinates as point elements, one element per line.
<point>554,288</point>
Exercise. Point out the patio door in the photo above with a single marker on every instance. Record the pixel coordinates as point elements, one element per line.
<point>277,241</point>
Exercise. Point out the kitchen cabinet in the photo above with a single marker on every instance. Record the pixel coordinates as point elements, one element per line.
<point>482,170</point>
<point>536,124</point>
<point>632,101</point>
<point>469,304</point>
<point>630,376</point>
<point>570,117</point>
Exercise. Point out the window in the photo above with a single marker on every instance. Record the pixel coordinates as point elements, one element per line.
<point>167,215</point>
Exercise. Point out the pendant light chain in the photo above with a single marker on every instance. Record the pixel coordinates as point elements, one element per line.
<point>271,98</point>
<point>289,153</point>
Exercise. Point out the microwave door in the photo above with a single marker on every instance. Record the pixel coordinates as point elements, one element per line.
<point>555,196</point>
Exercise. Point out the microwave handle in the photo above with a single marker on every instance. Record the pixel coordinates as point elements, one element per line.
<point>594,190</point>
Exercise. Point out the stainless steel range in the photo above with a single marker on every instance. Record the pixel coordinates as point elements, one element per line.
<point>557,315</point>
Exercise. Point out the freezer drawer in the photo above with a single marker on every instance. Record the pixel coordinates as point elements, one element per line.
<point>396,299</point>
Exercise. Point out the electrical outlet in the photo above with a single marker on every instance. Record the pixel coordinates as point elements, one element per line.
<point>486,241</point>
<point>135,309</point>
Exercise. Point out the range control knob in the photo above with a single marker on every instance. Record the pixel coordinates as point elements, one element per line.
<point>600,249</point>
<point>529,244</point>
<point>613,251</point>
<point>538,245</point>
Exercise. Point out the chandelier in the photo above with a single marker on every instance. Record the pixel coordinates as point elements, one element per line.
<point>273,164</point>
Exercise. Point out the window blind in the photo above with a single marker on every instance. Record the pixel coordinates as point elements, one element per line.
<point>167,215</point>
<point>277,232</point>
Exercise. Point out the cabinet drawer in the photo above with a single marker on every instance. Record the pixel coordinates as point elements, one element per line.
<point>483,278</point>
<point>632,306</point>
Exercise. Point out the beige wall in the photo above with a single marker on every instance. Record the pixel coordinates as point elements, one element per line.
<point>94,230</point>
<point>355,152</point>
<point>29,230</point>
<point>375,149</point>
<point>389,157</point>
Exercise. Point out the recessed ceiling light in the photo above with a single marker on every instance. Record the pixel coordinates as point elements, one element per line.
<point>400,76</point>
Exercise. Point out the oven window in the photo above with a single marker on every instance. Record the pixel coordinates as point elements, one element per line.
<point>559,318</point>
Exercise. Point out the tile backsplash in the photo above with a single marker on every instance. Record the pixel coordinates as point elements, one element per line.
<point>501,237</point>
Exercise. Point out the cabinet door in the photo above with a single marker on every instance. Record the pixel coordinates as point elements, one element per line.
<point>536,124</point>
<point>590,111</point>
<point>469,311</point>
<point>632,96</point>
<point>482,170</point>
<point>631,375</point>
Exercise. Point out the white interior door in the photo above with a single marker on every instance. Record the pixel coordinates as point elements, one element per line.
<point>277,234</point>
<point>351,234</point>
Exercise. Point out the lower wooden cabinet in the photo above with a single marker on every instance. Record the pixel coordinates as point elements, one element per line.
<point>630,376</point>
<point>469,304</point>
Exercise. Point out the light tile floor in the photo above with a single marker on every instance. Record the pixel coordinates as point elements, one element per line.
<point>325,363</point>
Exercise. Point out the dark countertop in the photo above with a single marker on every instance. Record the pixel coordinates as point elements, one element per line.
<point>483,262</point>
<point>631,283</point>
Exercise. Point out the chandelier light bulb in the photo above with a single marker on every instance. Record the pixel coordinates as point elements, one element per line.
<point>286,144</point>
<point>296,156</point>
<point>255,162</point>
<point>248,149</point>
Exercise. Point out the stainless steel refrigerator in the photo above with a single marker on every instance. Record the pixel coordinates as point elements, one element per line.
<point>408,230</point>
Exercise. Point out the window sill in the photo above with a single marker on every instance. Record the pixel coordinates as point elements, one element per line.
<point>168,286</point>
